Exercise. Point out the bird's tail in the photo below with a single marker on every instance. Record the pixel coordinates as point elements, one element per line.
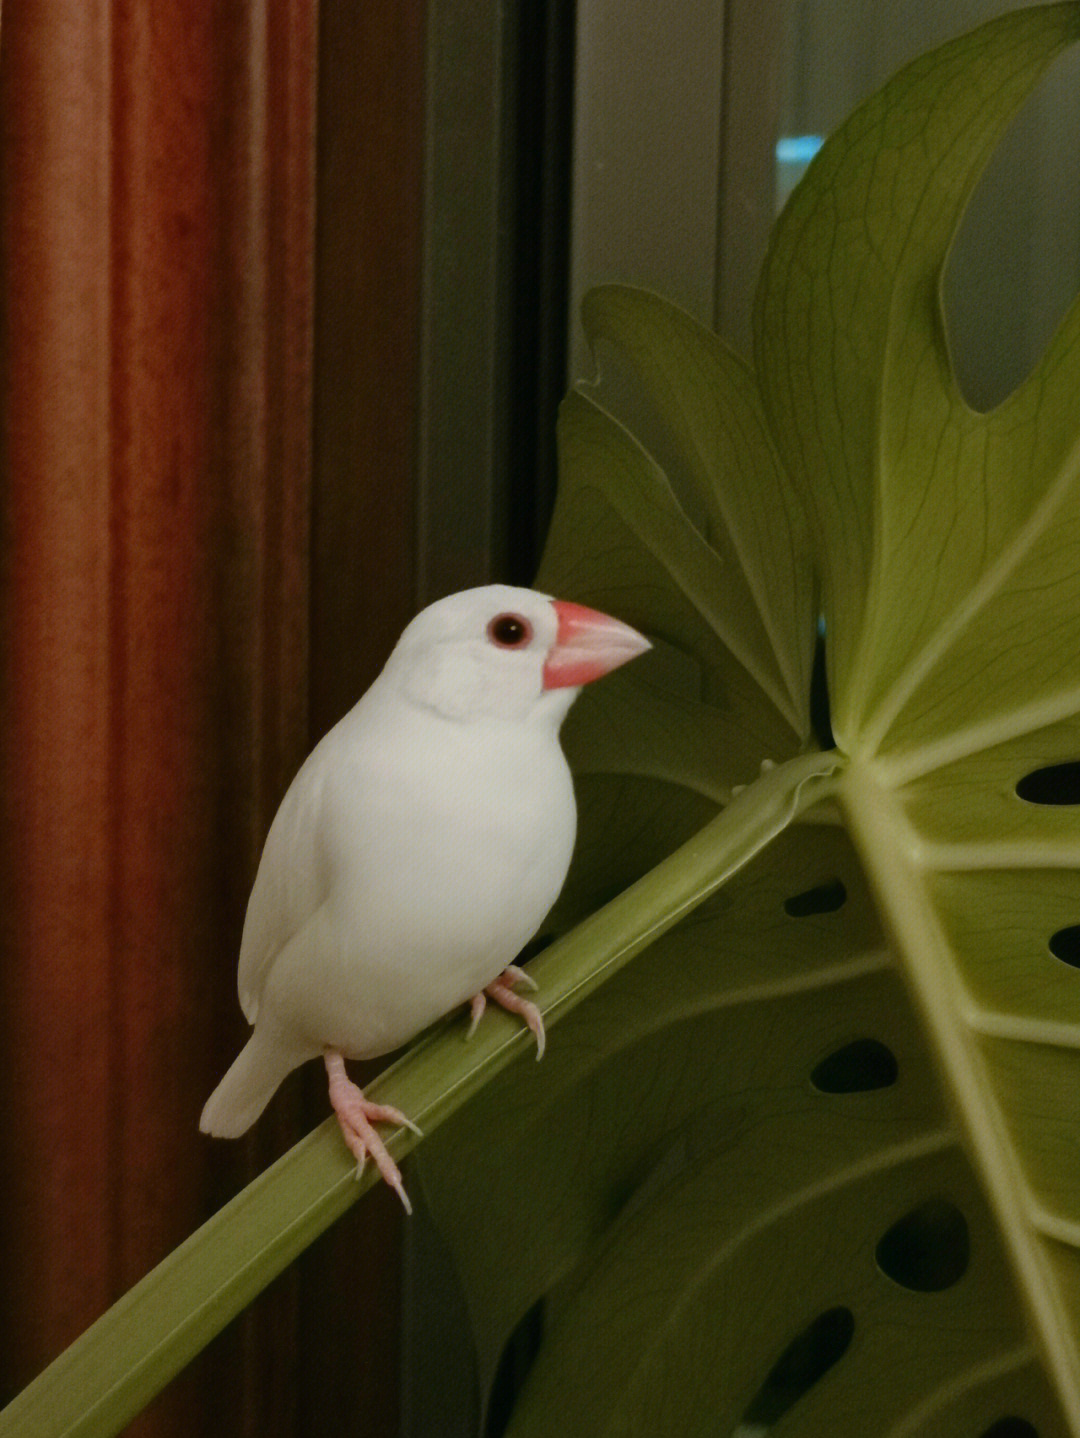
<point>247,1088</point>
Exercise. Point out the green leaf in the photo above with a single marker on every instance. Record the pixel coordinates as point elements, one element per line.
<point>898,475</point>
<point>954,597</point>
<point>676,1191</point>
<point>707,403</point>
<point>727,685</point>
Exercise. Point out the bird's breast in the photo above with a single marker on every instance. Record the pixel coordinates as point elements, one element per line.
<point>441,870</point>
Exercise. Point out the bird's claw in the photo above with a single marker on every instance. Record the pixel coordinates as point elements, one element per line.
<point>518,976</point>
<point>356,1116</point>
<point>477,1005</point>
<point>502,991</point>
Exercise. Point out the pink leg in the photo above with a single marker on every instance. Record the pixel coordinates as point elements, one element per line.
<point>356,1114</point>
<point>502,991</point>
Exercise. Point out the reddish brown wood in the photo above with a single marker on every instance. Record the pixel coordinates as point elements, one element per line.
<point>156,222</point>
<point>55,1001</point>
<point>370,178</point>
<point>157,192</point>
<point>370,185</point>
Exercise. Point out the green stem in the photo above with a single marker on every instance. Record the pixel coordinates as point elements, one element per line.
<point>109,1374</point>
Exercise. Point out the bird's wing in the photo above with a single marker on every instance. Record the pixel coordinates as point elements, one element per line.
<point>291,881</point>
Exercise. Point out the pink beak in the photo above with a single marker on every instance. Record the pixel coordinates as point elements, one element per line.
<point>588,645</point>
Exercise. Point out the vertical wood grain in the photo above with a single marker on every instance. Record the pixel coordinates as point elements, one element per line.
<point>370,182</point>
<point>157,193</point>
<point>56,552</point>
<point>368,267</point>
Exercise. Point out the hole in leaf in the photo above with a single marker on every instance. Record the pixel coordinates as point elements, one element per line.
<point>859,1067</point>
<point>821,899</point>
<point>928,1249</point>
<point>517,1357</point>
<point>1011,1427</point>
<point>1065,945</point>
<point>802,1364</point>
<point>1056,784</point>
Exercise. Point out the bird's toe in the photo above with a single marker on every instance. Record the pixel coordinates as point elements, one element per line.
<point>356,1116</point>
<point>503,994</point>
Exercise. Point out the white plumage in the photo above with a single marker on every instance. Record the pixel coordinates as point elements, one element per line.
<point>418,849</point>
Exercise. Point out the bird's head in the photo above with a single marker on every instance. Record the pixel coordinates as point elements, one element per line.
<point>504,652</point>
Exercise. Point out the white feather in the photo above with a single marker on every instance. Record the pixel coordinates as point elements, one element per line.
<point>417,850</point>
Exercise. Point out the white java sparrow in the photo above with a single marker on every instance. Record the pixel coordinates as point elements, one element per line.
<point>419,847</point>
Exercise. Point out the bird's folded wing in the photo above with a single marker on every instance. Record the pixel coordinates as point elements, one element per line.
<point>289,886</point>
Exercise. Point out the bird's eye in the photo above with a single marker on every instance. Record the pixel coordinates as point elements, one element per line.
<point>510,631</point>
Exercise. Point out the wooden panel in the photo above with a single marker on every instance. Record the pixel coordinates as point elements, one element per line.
<point>368,267</point>
<point>55,903</point>
<point>156,268</point>
<point>370,183</point>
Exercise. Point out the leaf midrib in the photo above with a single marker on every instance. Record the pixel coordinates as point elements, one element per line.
<point>888,848</point>
<point>990,583</point>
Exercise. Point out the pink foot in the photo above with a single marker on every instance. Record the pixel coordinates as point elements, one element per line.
<point>502,991</point>
<point>356,1114</point>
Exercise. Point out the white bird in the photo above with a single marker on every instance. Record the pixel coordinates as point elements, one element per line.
<point>419,847</point>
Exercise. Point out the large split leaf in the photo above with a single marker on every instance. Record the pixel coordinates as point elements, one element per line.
<point>811,1162</point>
